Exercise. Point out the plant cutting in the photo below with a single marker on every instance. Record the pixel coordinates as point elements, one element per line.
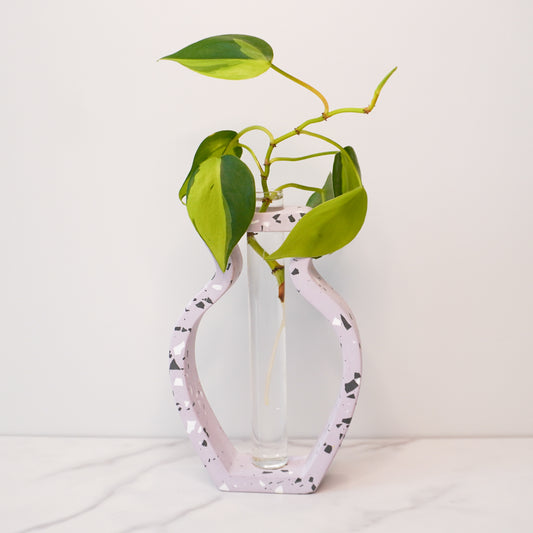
<point>220,195</point>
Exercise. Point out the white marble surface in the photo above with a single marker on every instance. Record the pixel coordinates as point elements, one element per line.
<point>93,485</point>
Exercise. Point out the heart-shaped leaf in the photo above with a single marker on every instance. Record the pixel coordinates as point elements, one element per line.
<point>221,203</point>
<point>346,176</point>
<point>231,57</point>
<point>326,228</point>
<point>213,146</point>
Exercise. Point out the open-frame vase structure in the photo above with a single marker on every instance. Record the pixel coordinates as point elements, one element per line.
<point>230,469</point>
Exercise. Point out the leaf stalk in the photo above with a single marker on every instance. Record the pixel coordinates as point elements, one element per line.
<point>303,84</point>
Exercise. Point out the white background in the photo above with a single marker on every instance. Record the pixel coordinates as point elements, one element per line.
<point>99,258</point>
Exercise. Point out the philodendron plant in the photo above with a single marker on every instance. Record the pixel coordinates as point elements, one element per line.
<point>220,189</point>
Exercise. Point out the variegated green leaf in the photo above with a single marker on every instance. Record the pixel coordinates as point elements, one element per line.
<point>231,57</point>
<point>326,228</point>
<point>214,145</point>
<point>221,203</point>
<point>346,176</point>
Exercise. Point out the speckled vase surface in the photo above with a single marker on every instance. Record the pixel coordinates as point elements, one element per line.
<point>229,469</point>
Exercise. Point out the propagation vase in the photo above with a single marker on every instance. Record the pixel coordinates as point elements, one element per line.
<point>230,469</point>
<point>268,350</point>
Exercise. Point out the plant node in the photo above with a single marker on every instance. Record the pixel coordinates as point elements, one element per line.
<point>281,292</point>
<point>266,201</point>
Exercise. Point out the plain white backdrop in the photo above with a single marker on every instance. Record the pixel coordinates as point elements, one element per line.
<point>99,257</point>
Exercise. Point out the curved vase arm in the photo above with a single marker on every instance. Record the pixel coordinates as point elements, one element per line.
<point>331,305</point>
<point>206,434</point>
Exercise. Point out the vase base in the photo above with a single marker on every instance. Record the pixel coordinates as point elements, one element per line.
<point>270,463</point>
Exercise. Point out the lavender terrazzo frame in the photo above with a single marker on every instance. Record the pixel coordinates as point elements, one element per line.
<point>229,469</point>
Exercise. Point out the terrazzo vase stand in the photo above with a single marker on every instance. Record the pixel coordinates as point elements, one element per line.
<point>229,469</point>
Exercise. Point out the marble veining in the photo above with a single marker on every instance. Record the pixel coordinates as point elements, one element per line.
<point>111,460</point>
<point>65,485</point>
<point>158,524</point>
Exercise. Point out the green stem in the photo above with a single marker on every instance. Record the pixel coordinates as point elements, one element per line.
<point>323,117</point>
<point>323,137</point>
<point>264,184</point>
<point>372,103</point>
<point>298,186</point>
<point>331,141</point>
<point>378,91</point>
<point>303,84</point>
<point>256,127</point>
<point>263,171</point>
<point>278,270</point>
<point>301,128</point>
<point>251,152</point>
<point>302,157</point>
